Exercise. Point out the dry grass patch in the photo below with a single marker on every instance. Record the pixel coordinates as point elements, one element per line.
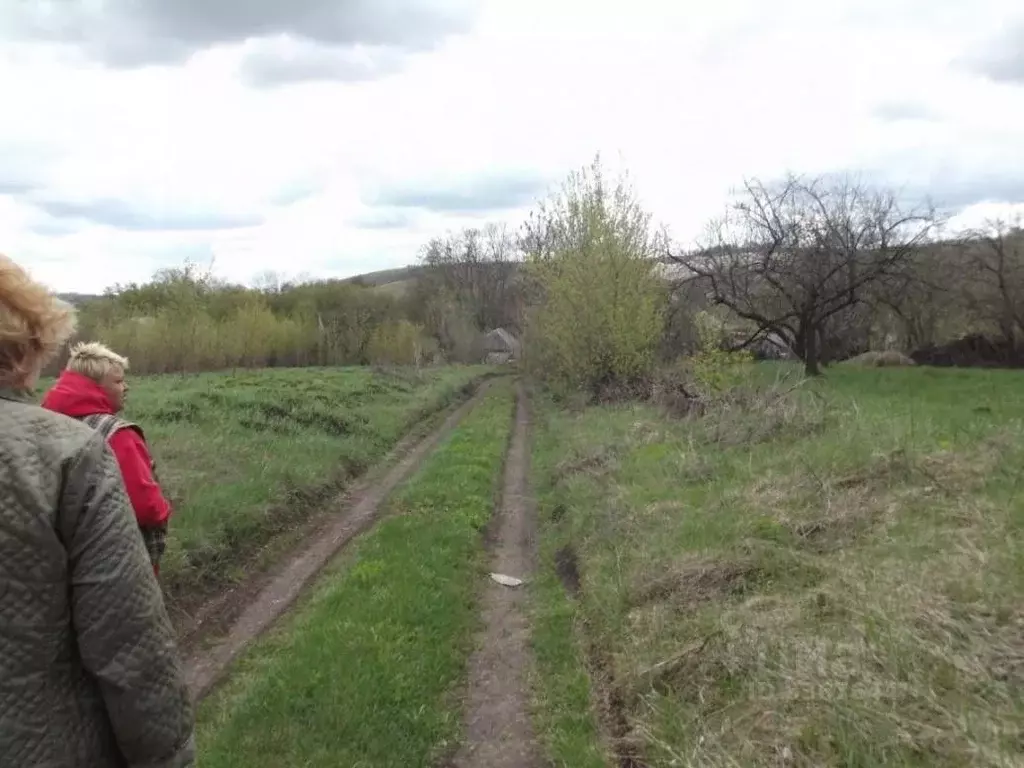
<point>596,463</point>
<point>693,584</point>
<point>901,655</point>
<point>751,415</point>
<point>866,670</point>
<point>686,586</point>
<point>756,410</point>
<point>830,512</point>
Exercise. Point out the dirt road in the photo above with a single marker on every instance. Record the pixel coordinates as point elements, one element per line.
<point>206,666</point>
<point>499,733</point>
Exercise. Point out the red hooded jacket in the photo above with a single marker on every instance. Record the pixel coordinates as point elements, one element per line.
<point>77,395</point>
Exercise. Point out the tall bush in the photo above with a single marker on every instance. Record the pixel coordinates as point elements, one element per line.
<point>598,302</point>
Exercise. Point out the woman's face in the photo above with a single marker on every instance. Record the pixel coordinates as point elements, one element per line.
<point>115,386</point>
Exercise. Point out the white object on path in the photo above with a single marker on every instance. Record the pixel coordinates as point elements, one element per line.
<point>506,581</point>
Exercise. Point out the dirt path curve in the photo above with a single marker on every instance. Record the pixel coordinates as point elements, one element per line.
<point>205,667</point>
<point>499,733</point>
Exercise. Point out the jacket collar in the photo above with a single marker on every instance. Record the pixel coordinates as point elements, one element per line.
<point>17,395</point>
<point>76,395</point>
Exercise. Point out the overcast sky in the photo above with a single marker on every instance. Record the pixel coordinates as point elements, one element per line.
<point>334,137</point>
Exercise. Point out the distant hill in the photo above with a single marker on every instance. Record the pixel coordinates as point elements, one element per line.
<point>395,282</point>
<point>78,299</point>
<point>387,276</point>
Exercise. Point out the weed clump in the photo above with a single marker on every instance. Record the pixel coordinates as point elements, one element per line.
<point>753,414</point>
<point>595,463</point>
<point>690,585</point>
<point>568,569</point>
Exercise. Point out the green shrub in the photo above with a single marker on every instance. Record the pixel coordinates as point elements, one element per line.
<point>714,369</point>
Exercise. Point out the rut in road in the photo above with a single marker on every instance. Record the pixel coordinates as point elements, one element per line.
<point>204,668</point>
<point>499,733</point>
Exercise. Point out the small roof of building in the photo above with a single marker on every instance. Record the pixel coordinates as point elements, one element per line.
<point>501,339</point>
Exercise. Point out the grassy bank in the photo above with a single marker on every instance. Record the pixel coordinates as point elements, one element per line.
<point>366,673</point>
<point>245,456</point>
<point>829,576</point>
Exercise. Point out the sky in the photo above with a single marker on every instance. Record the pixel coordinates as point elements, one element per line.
<point>329,138</point>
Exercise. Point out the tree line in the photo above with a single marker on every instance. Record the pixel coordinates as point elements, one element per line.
<point>187,320</point>
<point>817,268</point>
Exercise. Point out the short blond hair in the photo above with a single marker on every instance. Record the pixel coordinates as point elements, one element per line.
<point>94,360</point>
<point>34,324</point>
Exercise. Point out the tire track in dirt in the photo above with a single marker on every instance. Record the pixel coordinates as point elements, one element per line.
<point>199,617</point>
<point>205,667</point>
<point>499,733</point>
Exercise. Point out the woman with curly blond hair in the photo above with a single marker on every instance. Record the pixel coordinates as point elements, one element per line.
<point>89,670</point>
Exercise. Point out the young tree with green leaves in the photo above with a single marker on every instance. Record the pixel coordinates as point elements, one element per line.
<point>598,303</point>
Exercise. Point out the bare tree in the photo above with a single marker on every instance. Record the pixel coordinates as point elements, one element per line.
<point>790,256</point>
<point>478,269</point>
<point>992,259</point>
<point>268,281</point>
<point>921,296</point>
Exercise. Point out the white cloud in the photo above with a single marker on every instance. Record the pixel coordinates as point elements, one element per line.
<point>981,215</point>
<point>131,33</point>
<point>691,101</point>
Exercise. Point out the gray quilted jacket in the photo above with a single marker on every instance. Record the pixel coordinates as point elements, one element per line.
<point>89,670</point>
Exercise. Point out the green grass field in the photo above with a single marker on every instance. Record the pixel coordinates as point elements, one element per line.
<point>367,672</point>
<point>827,576</point>
<point>249,455</point>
